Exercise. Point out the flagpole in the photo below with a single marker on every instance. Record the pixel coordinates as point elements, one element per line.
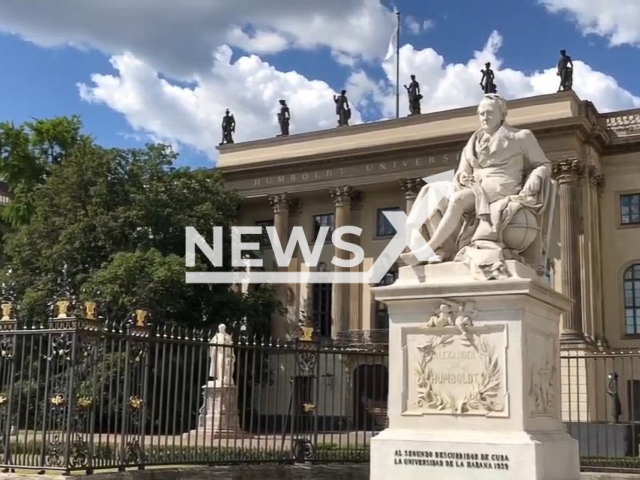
<point>398,67</point>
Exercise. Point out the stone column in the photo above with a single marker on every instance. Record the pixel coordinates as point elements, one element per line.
<point>280,203</point>
<point>598,183</point>
<point>568,173</point>
<point>411,187</point>
<point>340,296</point>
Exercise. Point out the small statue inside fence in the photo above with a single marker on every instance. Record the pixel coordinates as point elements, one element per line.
<point>612,390</point>
<point>222,357</point>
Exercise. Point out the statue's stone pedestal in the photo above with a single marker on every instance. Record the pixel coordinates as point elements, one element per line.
<point>219,415</point>
<point>474,389</point>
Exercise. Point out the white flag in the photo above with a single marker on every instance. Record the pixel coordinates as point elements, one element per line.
<point>393,42</point>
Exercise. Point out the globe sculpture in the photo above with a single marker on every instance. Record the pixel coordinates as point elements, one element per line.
<point>521,231</point>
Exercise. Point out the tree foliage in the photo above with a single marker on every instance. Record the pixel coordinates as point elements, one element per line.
<point>114,221</point>
<point>27,152</point>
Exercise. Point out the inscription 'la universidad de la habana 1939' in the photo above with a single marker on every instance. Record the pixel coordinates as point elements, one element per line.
<point>471,460</point>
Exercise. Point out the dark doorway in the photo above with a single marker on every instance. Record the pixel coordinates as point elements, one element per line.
<point>321,311</point>
<point>370,392</point>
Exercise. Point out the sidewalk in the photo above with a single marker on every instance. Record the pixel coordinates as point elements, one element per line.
<point>256,472</point>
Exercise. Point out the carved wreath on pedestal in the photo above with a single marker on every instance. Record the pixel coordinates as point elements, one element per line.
<point>484,391</point>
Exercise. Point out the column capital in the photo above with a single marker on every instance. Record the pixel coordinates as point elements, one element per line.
<point>295,206</point>
<point>596,177</point>
<point>568,170</point>
<point>411,187</point>
<point>342,195</point>
<point>280,202</point>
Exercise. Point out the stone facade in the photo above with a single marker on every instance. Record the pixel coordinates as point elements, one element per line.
<point>347,176</point>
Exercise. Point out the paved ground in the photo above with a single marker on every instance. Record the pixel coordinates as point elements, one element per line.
<point>259,472</point>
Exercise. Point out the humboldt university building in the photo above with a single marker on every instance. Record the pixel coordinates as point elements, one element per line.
<point>351,175</point>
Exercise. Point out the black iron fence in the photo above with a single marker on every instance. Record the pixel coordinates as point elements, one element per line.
<point>80,393</point>
<point>601,406</point>
<point>77,393</point>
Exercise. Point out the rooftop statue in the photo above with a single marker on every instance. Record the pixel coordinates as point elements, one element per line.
<point>487,81</point>
<point>413,91</point>
<point>228,128</point>
<point>284,116</point>
<point>342,108</point>
<point>565,71</point>
<point>501,189</point>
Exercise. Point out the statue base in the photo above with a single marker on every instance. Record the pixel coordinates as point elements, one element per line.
<point>219,415</point>
<point>474,388</point>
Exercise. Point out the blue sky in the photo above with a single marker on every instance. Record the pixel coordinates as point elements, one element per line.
<point>159,70</point>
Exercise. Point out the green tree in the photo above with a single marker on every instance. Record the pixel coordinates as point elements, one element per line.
<point>27,152</point>
<point>115,219</point>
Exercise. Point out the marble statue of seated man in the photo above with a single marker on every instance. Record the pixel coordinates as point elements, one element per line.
<point>503,179</point>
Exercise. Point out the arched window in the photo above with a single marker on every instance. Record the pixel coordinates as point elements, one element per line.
<point>632,299</point>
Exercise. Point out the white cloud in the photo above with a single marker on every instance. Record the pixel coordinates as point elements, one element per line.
<point>618,20</point>
<point>249,87</point>
<point>428,24</point>
<point>261,41</point>
<point>187,41</point>
<point>344,59</point>
<point>415,26</point>
<point>177,37</point>
<point>445,86</point>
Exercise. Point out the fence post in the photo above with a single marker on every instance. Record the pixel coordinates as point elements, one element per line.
<point>306,350</point>
<point>145,329</point>
<point>63,354</point>
<point>89,327</point>
<point>134,394</point>
<point>125,401</point>
<point>8,327</point>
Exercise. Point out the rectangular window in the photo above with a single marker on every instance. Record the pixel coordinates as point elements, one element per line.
<point>632,299</point>
<point>630,209</point>
<point>383,225</point>
<point>382,313</point>
<point>326,220</point>
<point>264,238</point>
